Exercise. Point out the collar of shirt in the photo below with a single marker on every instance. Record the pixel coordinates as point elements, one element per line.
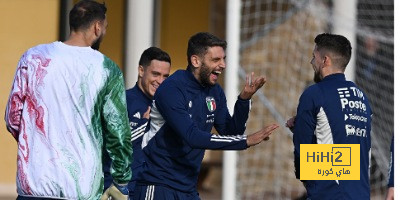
<point>141,94</point>
<point>337,76</point>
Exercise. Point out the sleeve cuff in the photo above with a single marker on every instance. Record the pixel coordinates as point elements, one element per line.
<point>244,100</point>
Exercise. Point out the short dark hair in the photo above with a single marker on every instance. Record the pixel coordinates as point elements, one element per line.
<point>84,13</point>
<point>153,53</point>
<point>336,44</point>
<point>200,42</point>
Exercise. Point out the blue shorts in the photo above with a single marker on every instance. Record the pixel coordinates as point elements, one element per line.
<point>156,192</point>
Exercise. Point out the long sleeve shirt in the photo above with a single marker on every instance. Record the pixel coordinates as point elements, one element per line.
<point>67,105</point>
<point>182,116</point>
<point>137,104</point>
<point>334,111</point>
<point>391,165</point>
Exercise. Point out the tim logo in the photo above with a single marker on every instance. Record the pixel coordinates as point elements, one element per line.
<point>343,92</point>
<point>211,105</point>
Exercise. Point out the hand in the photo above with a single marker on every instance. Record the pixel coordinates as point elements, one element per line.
<point>390,193</point>
<point>261,135</point>
<point>290,123</point>
<point>252,85</point>
<point>147,113</point>
<point>117,192</point>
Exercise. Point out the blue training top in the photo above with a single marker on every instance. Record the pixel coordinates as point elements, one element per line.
<point>137,104</point>
<point>335,111</point>
<point>182,116</point>
<point>391,165</point>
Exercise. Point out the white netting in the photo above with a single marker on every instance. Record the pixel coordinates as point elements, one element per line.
<point>277,39</point>
<point>374,74</point>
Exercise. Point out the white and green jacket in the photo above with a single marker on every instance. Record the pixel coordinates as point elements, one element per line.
<point>66,108</point>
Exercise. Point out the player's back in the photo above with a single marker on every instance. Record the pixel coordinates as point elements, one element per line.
<point>343,117</point>
<point>60,138</point>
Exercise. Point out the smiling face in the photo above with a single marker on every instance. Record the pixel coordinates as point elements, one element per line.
<point>211,66</point>
<point>152,76</point>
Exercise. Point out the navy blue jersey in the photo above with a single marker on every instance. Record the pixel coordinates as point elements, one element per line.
<point>182,116</point>
<point>335,111</point>
<point>137,104</point>
<point>391,165</point>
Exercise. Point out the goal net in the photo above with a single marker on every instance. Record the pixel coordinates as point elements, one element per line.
<point>277,41</point>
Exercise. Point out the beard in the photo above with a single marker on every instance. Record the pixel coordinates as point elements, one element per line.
<point>205,73</point>
<point>96,44</point>
<point>317,77</point>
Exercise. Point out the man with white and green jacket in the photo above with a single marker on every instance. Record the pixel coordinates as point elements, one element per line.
<point>66,108</point>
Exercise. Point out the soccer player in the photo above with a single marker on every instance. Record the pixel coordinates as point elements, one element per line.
<point>154,68</point>
<point>390,190</point>
<point>333,111</point>
<point>67,105</point>
<point>185,108</point>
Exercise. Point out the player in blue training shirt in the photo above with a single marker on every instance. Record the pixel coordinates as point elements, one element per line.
<point>333,111</point>
<point>185,108</point>
<point>154,68</point>
<point>390,190</point>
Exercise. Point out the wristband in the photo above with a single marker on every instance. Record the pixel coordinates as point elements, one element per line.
<point>122,188</point>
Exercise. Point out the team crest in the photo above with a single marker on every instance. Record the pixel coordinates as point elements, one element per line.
<point>210,101</point>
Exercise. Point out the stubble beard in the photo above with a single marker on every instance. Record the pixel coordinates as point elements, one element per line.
<point>205,73</point>
<point>317,77</point>
<point>96,44</point>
